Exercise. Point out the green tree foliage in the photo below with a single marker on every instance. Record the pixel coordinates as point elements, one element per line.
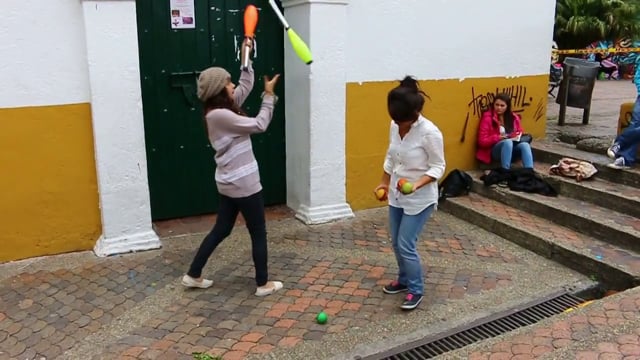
<point>580,22</point>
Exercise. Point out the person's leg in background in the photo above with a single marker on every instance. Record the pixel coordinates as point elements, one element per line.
<point>616,149</point>
<point>625,148</point>
<point>225,220</point>
<point>400,283</point>
<point>628,149</point>
<point>252,209</point>
<point>410,229</point>
<point>503,151</point>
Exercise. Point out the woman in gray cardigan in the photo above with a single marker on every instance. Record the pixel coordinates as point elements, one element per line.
<point>237,178</point>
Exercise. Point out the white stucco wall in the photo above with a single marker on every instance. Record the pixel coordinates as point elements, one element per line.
<point>57,52</point>
<point>118,125</point>
<point>42,47</point>
<point>444,39</point>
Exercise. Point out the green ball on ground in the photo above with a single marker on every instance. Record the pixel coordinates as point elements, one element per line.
<point>322,317</point>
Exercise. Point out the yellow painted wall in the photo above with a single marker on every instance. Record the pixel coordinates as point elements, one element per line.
<point>49,192</point>
<point>452,101</point>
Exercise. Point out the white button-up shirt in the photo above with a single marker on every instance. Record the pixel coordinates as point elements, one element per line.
<point>420,153</point>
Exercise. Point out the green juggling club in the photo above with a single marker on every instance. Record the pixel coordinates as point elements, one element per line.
<point>298,45</point>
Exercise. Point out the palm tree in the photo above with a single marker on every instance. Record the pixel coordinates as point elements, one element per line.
<point>581,22</point>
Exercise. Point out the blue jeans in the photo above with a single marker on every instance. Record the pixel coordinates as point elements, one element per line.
<point>629,137</point>
<point>405,231</point>
<point>507,153</point>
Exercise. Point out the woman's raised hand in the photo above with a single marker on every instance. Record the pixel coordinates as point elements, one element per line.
<point>270,84</point>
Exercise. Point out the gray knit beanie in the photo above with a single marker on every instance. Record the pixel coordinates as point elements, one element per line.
<point>211,82</point>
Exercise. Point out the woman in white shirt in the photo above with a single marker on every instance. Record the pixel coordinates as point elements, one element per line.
<point>415,153</point>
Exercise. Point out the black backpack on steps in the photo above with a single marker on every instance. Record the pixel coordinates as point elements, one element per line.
<point>457,183</point>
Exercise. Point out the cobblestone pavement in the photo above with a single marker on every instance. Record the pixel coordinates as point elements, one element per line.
<point>132,307</point>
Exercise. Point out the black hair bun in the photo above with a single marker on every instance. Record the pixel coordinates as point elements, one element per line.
<point>410,83</point>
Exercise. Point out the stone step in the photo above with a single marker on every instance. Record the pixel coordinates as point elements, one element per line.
<point>552,152</point>
<point>590,219</point>
<point>616,266</point>
<point>614,196</point>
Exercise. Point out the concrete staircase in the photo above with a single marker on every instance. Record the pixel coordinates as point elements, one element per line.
<point>593,226</point>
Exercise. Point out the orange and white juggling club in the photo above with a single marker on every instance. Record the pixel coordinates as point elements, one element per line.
<point>250,23</point>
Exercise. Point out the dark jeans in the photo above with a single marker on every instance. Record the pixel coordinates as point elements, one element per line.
<point>252,209</point>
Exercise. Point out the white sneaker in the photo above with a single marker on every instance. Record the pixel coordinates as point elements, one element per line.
<point>190,282</point>
<point>269,288</point>
<point>619,164</point>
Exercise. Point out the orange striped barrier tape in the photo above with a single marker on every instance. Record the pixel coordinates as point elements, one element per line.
<point>596,50</point>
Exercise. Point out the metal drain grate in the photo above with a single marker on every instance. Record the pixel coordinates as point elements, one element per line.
<point>487,328</point>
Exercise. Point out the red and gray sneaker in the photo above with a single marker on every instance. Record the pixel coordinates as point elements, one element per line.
<point>394,288</point>
<point>411,301</point>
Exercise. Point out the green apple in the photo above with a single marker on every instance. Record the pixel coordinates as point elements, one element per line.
<point>407,188</point>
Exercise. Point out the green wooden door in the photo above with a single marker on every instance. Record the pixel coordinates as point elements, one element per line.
<point>180,159</point>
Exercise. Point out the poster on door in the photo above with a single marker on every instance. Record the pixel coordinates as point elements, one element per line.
<point>183,14</point>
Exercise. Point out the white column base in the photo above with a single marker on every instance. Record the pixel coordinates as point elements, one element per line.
<point>147,240</point>
<point>323,214</point>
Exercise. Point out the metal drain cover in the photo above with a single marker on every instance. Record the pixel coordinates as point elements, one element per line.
<point>482,329</point>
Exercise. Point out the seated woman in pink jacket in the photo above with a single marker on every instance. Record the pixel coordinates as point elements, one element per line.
<point>499,134</point>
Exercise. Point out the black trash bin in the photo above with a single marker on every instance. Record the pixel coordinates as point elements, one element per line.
<point>576,88</point>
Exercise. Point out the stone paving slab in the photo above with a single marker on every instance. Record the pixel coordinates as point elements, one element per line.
<point>132,306</point>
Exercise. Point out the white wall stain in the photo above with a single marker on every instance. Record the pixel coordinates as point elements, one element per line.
<point>236,46</point>
<point>255,49</point>
<point>238,40</point>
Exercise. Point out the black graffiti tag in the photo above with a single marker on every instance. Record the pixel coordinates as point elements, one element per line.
<point>519,102</point>
<point>481,102</point>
